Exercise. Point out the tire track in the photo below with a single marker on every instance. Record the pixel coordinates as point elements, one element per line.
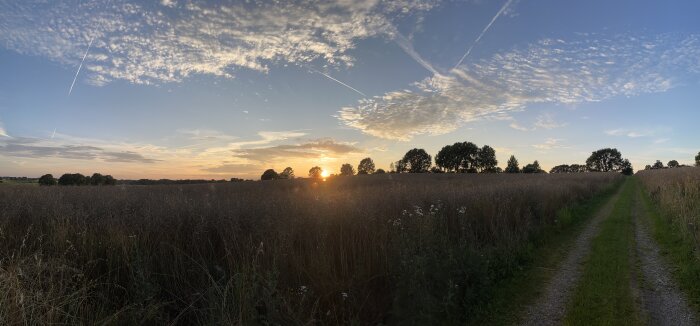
<point>550,308</point>
<point>662,302</point>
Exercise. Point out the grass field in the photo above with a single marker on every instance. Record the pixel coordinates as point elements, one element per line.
<point>375,249</point>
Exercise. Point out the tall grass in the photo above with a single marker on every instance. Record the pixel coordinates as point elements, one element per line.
<point>366,249</point>
<point>677,192</point>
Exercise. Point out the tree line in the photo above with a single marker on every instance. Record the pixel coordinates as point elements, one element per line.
<point>467,157</point>
<point>77,179</point>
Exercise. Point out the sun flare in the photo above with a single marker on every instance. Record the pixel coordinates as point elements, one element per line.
<point>325,173</point>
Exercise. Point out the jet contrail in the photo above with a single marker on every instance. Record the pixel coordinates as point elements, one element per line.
<point>407,47</point>
<point>498,14</point>
<point>54,133</point>
<point>80,66</point>
<point>339,82</point>
<point>82,61</point>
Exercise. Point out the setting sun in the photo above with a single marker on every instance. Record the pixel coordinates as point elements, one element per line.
<point>325,173</point>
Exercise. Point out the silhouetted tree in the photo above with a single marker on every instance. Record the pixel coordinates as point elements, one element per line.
<point>366,166</point>
<point>673,164</point>
<point>563,168</point>
<point>697,160</point>
<point>648,167</point>
<point>627,168</point>
<point>436,169</point>
<point>417,161</point>
<point>533,168</point>
<point>577,168</point>
<point>97,179</point>
<point>287,173</point>
<point>347,170</point>
<point>72,179</point>
<point>605,160</point>
<point>512,166</point>
<point>315,172</point>
<point>486,159</point>
<point>269,174</point>
<point>47,180</point>
<point>657,165</point>
<point>462,157</point>
<point>109,180</point>
<point>379,171</point>
<point>446,159</point>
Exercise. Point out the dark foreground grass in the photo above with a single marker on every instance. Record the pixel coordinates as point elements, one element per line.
<point>603,295</point>
<point>678,250</point>
<point>546,250</point>
<point>381,249</point>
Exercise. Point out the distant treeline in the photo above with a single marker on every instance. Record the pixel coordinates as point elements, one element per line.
<point>150,182</point>
<point>77,179</point>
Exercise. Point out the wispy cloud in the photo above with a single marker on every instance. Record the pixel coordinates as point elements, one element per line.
<point>39,148</point>
<point>550,71</point>
<point>168,40</point>
<point>306,150</point>
<point>3,132</point>
<point>550,143</point>
<point>628,133</point>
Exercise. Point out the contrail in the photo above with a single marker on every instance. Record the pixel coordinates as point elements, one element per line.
<point>407,47</point>
<point>84,56</point>
<point>339,82</point>
<point>498,14</point>
<point>80,66</point>
<point>54,133</point>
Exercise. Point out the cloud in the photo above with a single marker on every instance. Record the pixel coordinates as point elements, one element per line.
<point>314,149</point>
<point>38,148</point>
<point>3,132</point>
<point>547,121</point>
<point>167,41</point>
<point>549,71</point>
<point>206,135</point>
<point>627,133</point>
<point>550,143</point>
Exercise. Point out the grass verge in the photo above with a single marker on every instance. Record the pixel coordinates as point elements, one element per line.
<point>677,250</point>
<point>546,251</point>
<point>603,295</point>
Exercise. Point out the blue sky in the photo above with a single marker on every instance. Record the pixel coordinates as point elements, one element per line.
<point>217,89</point>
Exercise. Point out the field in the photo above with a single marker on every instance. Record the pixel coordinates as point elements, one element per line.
<point>366,249</point>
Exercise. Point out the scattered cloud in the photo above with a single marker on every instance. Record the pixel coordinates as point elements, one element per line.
<point>39,148</point>
<point>206,135</point>
<point>547,121</point>
<point>168,40</point>
<point>3,132</point>
<point>517,126</point>
<point>314,149</point>
<point>627,133</point>
<point>549,71</point>
<point>550,143</point>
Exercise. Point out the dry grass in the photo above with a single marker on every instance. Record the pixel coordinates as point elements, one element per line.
<point>677,192</point>
<point>366,249</point>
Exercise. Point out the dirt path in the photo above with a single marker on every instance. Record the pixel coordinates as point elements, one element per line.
<point>662,302</point>
<point>549,309</point>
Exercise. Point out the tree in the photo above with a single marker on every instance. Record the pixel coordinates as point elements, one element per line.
<point>657,165</point>
<point>110,181</point>
<point>47,180</point>
<point>577,168</point>
<point>366,166</point>
<point>287,173</point>
<point>97,179</point>
<point>697,160</point>
<point>486,159</point>
<point>605,160</point>
<point>417,161</point>
<point>347,170</point>
<point>446,159</point>
<point>561,169</point>
<point>627,168</point>
<point>436,169</point>
<point>512,166</point>
<point>673,164</point>
<point>648,167</point>
<point>533,168</point>
<point>72,179</point>
<point>315,172</point>
<point>379,171</point>
<point>463,157</point>
<point>269,174</point>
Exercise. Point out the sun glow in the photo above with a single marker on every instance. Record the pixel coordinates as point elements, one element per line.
<point>325,174</point>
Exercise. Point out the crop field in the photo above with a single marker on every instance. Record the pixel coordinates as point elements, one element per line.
<point>366,249</point>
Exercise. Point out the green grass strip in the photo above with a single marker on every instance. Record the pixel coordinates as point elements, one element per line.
<point>678,250</point>
<point>603,295</point>
<point>512,295</point>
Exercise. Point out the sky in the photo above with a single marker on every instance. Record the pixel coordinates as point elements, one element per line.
<point>221,89</point>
